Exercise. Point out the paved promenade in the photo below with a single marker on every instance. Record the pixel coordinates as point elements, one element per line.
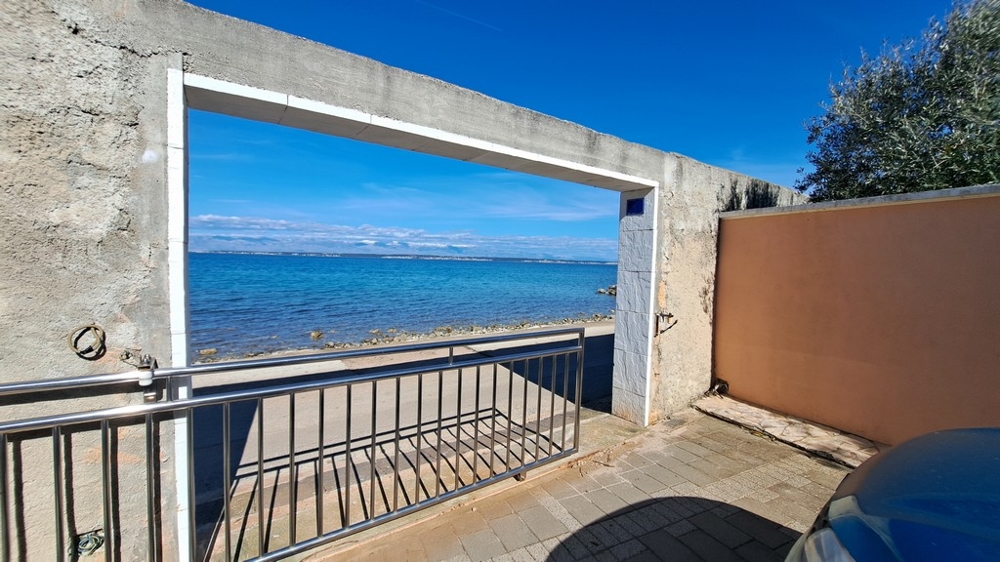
<point>691,488</point>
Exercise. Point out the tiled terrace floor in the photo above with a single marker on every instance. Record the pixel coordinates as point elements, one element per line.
<point>690,488</point>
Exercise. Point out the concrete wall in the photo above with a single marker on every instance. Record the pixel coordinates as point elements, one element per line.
<point>687,235</point>
<point>878,316</point>
<point>84,147</point>
<point>82,233</point>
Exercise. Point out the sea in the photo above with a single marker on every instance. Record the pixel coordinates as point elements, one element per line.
<point>245,304</point>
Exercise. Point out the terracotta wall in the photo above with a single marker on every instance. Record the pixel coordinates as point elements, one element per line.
<point>880,318</point>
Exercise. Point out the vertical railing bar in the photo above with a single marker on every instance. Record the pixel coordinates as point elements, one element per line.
<point>458,431</point>
<point>371,476</point>
<point>420,435</point>
<point>437,458</point>
<point>349,465</point>
<point>510,412</point>
<point>109,534</point>
<point>565,397</point>
<point>57,482</point>
<point>4,527</point>
<point>320,456</point>
<point>524,412</point>
<point>493,428</point>
<point>395,458</point>
<point>192,514</point>
<point>579,390</point>
<point>226,478</point>
<point>293,496</point>
<point>475,432</point>
<point>152,550</point>
<point>260,477</point>
<point>538,406</point>
<point>552,402</point>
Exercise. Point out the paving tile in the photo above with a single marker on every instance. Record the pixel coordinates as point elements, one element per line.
<point>493,508</point>
<point>629,494</point>
<point>512,532</point>
<point>762,530</point>
<point>559,511</point>
<point>582,509</point>
<point>603,537</point>
<point>670,515</point>
<point>522,555</point>
<point>782,551</point>
<point>680,454</point>
<point>542,522</point>
<point>619,531</point>
<point>719,529</point>
<point>709,442</point>
<point>521,501</point>
<point>637,460</point>
<point>713,469</point>
<point>754,551</point>
<point>645,556</point>
<point>662,459</point>
<point>708,548</point>
<point>666,547</point>
<point>644,482</point>
<point>576,548</point>
<point>680,528</point>
<point>537,551</point>
<point>441,543</point>
<point>664,475</point>
<point>605,556</point>
<point>468,522</point>
<point>584,484</point>
<point>482,545</point>
<point>694,448</point>
<point>641,521</point>
<point>693,475</point>
<point>606,477</point>
<point>558,488</point>
<point>627,550</point>
<point>606,501</point>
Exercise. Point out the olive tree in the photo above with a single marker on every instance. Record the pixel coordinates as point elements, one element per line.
<point>922,115</point>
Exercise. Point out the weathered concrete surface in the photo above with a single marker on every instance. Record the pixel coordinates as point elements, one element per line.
<point>691,198</point>
<point>84,241</point>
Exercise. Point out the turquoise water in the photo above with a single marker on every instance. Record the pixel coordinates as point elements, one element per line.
<point>252,303</point>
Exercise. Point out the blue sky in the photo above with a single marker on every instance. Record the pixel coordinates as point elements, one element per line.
<point>727,83</point>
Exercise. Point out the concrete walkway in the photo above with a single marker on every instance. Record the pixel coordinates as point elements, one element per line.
<point>689,488</point>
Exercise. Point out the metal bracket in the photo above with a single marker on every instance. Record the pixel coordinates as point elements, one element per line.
<point>664,321</point>
<point>147,364</point>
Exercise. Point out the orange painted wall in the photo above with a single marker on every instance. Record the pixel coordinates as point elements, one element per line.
<point>883,321</point>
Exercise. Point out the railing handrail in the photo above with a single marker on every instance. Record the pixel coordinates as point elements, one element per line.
<point>142,376</point>
<point>93,416</point>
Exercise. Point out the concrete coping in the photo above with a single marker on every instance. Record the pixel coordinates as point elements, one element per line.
<point>844,448</point>
<point>932,196</point>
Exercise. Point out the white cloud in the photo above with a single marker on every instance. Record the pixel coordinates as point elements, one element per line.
<point>256,234</point>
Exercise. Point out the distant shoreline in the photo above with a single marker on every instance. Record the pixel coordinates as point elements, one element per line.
<point>408,257</point>
<point>392,336</point>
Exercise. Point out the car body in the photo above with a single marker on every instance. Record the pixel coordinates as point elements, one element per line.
<point>935,498</point>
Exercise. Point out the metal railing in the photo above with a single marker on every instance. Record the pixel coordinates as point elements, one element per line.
<point>283,466</point>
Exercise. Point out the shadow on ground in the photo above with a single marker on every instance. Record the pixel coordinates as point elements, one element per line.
<point>678,529</point>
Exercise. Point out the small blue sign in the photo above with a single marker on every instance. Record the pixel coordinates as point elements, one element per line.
<point>634,206</point>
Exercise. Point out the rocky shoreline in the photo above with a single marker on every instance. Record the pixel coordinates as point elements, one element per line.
<point>387,336</point>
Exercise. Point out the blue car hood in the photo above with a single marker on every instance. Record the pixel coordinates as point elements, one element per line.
<point>935,497</point>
